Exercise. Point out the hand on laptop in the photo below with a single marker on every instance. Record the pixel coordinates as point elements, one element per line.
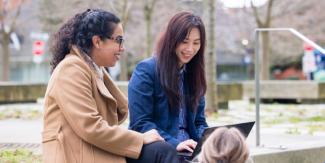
<point>187,145</point>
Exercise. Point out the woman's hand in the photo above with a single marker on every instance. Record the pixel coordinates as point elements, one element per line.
<point>151,136</point>
<point>187,145</point>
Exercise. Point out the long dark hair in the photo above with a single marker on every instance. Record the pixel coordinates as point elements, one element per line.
<point>79,31</point>
<point>167,62</point>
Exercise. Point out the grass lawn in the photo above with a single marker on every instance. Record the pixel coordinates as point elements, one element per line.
<point>20,155</point>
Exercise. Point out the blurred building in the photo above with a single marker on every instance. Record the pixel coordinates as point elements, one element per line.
<point>234,67</point>
<point>23,66</point>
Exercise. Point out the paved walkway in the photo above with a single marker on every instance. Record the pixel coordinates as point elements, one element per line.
<point>17,133</point>
<point>20,131</point>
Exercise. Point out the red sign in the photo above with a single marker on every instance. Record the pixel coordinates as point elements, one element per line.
<point>38,47</point>
<point>308,47</point>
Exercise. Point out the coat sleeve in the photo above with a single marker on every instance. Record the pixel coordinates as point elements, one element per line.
<point>200,121</point>
<point>73,93</point>
<point>141,101</point>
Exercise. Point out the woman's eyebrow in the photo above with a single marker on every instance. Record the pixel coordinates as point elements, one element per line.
<point>198,39</point>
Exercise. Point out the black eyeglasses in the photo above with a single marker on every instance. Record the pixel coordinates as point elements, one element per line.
<point>117,39</point>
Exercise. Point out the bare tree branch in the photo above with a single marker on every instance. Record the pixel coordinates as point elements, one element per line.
<point>256,15</point>
<point>268,13</point>
<point>13,23</point>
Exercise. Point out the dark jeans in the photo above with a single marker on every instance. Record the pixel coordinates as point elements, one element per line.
<point>157,152</point>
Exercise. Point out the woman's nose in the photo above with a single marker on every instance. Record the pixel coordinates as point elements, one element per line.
<point>189,48</point>
<point>122,48</point>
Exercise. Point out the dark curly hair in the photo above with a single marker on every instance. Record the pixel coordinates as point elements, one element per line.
<point>79,31</point>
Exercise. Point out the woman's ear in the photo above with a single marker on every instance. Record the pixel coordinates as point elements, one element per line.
<point>96,41</point>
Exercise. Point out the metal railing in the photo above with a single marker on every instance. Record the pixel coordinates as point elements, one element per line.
<point>257,68</point>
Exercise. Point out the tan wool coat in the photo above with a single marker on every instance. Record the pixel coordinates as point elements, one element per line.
<point>82,117</point>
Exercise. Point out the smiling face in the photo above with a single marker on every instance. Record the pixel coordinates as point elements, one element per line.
<point>106,52</point>
<point>189,47</point>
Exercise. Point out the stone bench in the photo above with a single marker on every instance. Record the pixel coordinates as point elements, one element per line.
<point>17,92</point>
<point>308,90</point>
<point>286,89</point>
<point>30,92</point>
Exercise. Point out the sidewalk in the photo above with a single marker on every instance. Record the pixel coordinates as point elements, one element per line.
<point>275,137</point>
<point>20,131</point>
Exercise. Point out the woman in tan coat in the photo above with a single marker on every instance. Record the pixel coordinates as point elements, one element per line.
<point>83,106</point>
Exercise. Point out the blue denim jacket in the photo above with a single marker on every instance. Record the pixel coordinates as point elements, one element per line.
<point>149,109</point>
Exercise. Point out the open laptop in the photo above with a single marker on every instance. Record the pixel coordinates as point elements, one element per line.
<point>245,128</point>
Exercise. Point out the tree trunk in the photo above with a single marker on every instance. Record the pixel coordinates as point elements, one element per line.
<point>5,57</point>
<point>265,58</point>
<point>148,11</point>
<point>122,7</point>
<point>124,59</point>
<point>124,67</point>
<point>265,73</point>
<point>211,96</point>
<point>148,35</point>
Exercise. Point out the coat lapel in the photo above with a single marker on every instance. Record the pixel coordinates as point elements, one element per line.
<point>115,91</point>
<point>100,84</point>
<point>103,89</point>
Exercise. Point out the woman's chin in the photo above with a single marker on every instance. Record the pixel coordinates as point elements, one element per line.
<point>111,64</point>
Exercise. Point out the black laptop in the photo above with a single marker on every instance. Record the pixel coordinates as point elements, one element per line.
<point>245,128</point>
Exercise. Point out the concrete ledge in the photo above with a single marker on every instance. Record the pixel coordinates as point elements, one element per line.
<point>300,90</point>
<point>229,91</point>
<point>306,155</point>
<point>123,85</point>
<point>16,92</point>
<point>289,89</point>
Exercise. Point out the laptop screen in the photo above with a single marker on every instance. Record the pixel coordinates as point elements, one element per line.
<point>245,128</point>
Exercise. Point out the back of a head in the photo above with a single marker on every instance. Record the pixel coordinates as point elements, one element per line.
<point>224,145</point>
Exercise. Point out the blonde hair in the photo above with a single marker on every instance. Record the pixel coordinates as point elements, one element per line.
<point>224,145</point>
